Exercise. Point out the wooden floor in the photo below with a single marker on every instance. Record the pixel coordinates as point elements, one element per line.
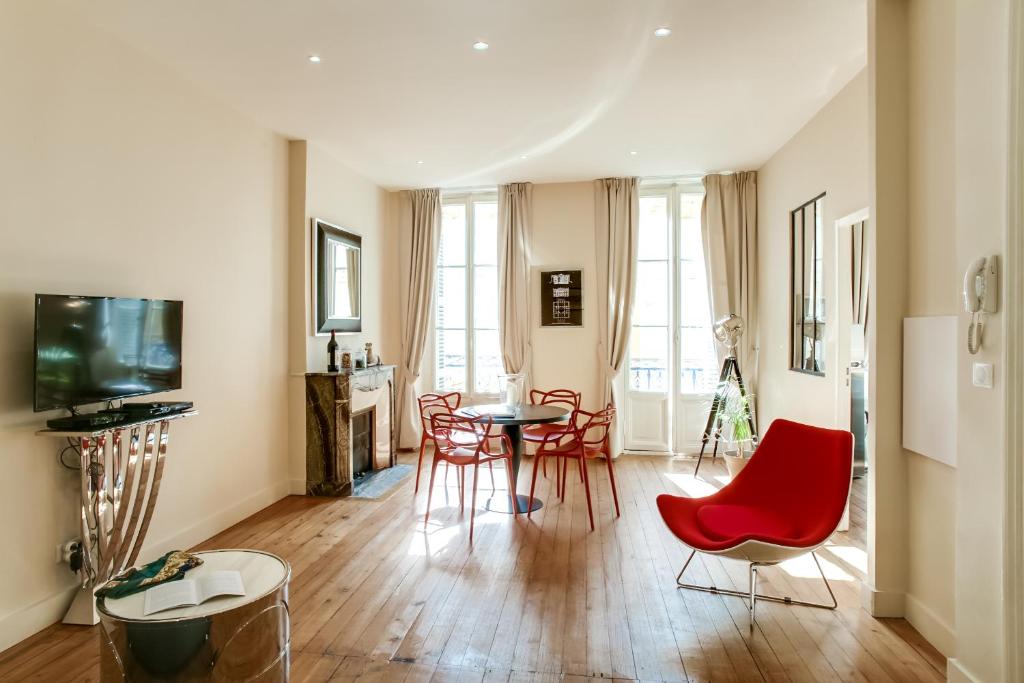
<point>376,597</point>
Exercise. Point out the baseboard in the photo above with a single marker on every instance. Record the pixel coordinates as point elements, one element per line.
<point>19,625</point>
<point>955,673</point>
<point>26,622</point>
<point>928,624</point>
<point>882,603</point>
<point>214,524</point>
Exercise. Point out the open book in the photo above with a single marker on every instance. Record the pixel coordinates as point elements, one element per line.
<point>190,592</point>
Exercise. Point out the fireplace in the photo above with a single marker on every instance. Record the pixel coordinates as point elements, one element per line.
<point>349,428</point>
<point>362,442</point>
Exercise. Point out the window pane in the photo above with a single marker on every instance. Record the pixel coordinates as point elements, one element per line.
<point>452,251</point>
<point>487,361</point>
<point>451,360</point>
<point>653,228</point>
<point>485,297</point>
<point>451,297</point>
<point>485,233</point>
<point>652,288</point>
<point>648,359</point>
<point>698,360</point>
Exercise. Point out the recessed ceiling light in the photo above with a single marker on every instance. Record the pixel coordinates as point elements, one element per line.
<point>523,157</point>
<point>662,31</point>
<point>632,152</point>
<point>480,45</point>
<point>315,59</point>
<point>420,161</point>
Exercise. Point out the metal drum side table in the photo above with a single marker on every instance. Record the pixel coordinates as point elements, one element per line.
<point>244,638</point>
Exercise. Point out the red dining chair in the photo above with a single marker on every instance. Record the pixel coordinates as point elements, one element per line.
<point>463,442</point>
<point>586,436</point>
<point>566,398</point>
<point>787,501</point>
<point>429,404</point>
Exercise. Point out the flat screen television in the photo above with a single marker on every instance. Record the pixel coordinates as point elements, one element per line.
<point>90,349</point>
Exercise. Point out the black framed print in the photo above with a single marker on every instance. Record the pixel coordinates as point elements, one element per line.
<point>561,298</point>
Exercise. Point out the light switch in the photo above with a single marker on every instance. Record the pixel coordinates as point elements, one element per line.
<point>983,375</point>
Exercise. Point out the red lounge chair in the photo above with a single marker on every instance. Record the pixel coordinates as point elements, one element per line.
<point>787,501</point>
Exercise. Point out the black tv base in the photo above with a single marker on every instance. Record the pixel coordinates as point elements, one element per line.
<point>127,414</point>
<point>155,408</point>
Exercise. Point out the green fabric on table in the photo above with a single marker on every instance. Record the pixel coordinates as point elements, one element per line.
<point>170,567</point>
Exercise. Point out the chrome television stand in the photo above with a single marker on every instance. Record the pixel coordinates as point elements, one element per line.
<point>119,486</point>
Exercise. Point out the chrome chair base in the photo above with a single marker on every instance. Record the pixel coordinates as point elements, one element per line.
<point>752,595</point>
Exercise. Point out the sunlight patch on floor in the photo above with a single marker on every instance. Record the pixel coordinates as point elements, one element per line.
<point>691,486</point>
<point>855,557</point>
<point>803,568</point>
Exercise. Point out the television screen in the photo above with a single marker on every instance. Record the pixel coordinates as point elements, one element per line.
<point>91,349</point>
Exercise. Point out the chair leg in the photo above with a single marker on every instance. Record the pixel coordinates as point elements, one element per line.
<point>490,466</point>
<point>430,489</point>
<point>472,508</point>
<point>581,471</point>
<point>611,478</point>
<point>419,466</point>
<point>538,461</point>
<point>586,488</point>
<point>752,595</point>
<point>565,475</point>
<point>462,488</point>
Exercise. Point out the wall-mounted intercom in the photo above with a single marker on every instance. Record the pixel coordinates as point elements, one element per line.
<point>981,296</point>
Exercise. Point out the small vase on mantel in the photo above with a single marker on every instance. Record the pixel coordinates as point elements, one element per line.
<point>332,354</point>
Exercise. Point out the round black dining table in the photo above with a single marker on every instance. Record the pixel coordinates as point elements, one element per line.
<point>512,421</point>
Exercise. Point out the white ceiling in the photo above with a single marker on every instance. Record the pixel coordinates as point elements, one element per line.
<point>574,85</point>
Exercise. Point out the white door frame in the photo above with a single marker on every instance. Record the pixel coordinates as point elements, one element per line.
<point>676,402</point>
<point>842,417</point>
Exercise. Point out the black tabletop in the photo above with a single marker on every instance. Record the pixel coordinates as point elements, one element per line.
<point>524,415</point>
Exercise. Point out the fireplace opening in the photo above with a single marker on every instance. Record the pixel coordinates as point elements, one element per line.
<point>362,443</point>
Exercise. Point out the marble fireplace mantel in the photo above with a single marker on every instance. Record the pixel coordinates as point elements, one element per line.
<point>332,400</point>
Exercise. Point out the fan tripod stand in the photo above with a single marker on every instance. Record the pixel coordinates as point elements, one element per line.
<point>713,429</point>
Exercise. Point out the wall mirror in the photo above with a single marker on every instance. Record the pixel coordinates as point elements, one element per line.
<point>807,287</point>
<point>338,259</point>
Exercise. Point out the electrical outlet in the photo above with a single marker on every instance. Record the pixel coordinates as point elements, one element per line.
<point>982,375</point>
<point>66,550</point>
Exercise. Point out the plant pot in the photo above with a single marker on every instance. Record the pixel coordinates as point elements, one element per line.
<point>735,463</point>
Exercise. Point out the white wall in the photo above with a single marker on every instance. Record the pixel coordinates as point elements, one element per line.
<point>933,289</point>
<point>829,154</point>
<point>981,76</point>
<point>120,179</point>
<point>322,187</point>
<point>563,237</point>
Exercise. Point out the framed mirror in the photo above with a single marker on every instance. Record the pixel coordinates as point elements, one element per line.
<point>337,254</point>
<point>807,288</point>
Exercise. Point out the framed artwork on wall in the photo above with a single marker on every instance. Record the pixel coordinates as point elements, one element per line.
<point>561,298</point>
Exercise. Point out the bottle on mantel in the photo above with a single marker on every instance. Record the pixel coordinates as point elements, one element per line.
<point>332,352</point>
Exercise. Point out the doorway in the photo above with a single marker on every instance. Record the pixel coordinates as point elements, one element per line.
<point>852,287</point>
<point>672,366</point>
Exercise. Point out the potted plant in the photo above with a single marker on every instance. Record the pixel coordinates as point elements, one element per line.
<point>735,429</point>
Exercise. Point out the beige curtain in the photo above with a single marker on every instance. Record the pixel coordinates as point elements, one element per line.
<point>420,225</point>
<point>515,215</point>
<point>616,222</point>
<point>728,220</point>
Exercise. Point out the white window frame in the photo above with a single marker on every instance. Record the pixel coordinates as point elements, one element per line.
<point>679,439</point>
<point>470,395</point>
